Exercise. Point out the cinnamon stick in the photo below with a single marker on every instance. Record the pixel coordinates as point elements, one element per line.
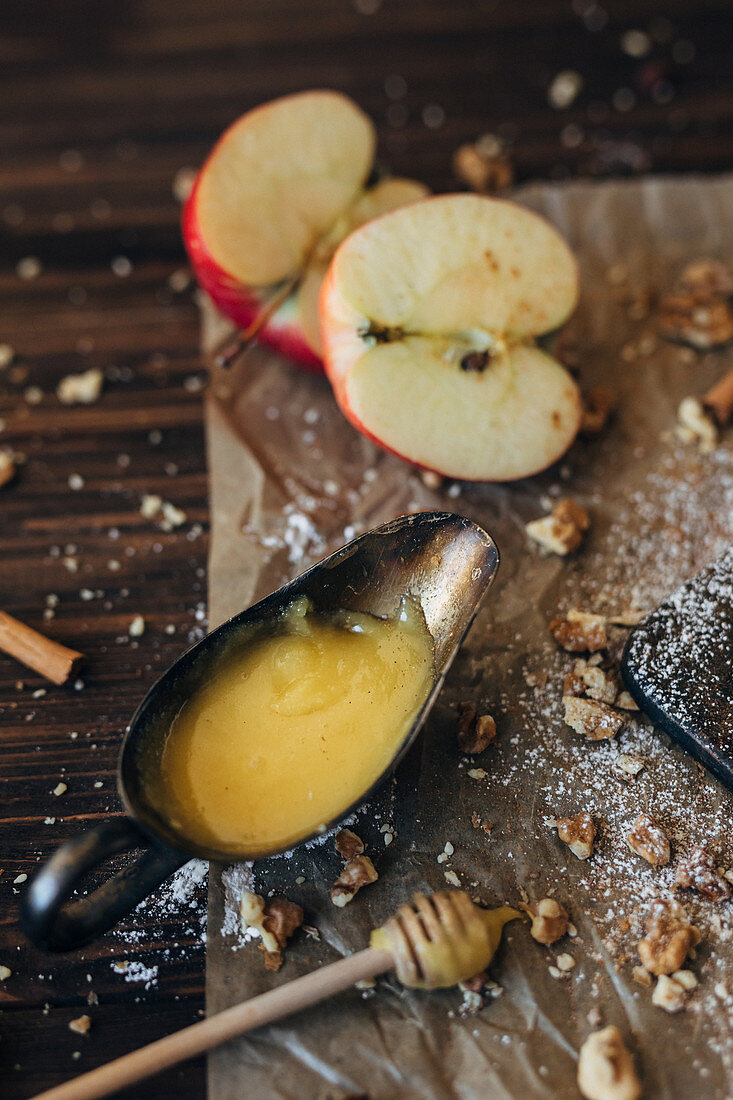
<point>51,659</point>
<point>718,401</point>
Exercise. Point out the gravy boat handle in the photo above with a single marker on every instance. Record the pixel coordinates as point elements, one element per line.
<point>53,921</point>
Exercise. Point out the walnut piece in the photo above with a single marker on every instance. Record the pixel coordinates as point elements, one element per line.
<point>275,919</point>
<point>478,823</point>
<point>348,844</point>
<point>698,312</point>
<point>627,765</point>
<point>358,872</point>
<point>606,1068</point>
<point>483,166</point>
<point>549,920</point>
<point>648,839</point>
<point>625,701</point>
<point>281,919</point>
<point>695,319</point>
<point>593,720</point>
<point>599,684</point>
<point>669,938</point>
<point>81,1024</point>
<point>695,426</point>
<point>699,872</point>
<point>598,404</point>
<point>709,277</point>
<point>589,679</point>
<point>80,389</point>
<point>562,531</point>
<point>474,732</point>
<point>669,994</point>
<point>579,632</point>
<point>642,976</point>
<point>7,468</point>
<point>578,833</point>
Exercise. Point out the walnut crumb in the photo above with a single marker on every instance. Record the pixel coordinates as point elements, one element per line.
<point>275,919</point>
<point>7,468</point>
<point>593,720</point>
<point>80,389</point>
<point>348,844</point>
<point>483,166</point>
<point>474,732</point>
<point>562,531</point>
<point>550,920</point>
<point>695,426</point>
<point>606,1068</point>
<point>579,631</point>
<point>669,938</point>
<point>698,872</point>
<point>625,701</point>
<point>598,404</point>
<point>81,1024</point>
<point>642,976</point>
<point>627,765</point>
<point>648,839</point>
<point>431,480</point>
<point>358,872</point>
<point>698,311</point>
<point>578,833</point>
<point>669,994</point>
<point>478,823</point>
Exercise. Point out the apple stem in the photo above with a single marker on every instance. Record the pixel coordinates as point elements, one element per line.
<point>242,341</point>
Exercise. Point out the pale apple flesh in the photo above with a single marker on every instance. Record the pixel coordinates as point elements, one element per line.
<point>281,188</point>
<point>428,317</point>
<point>386,195</point>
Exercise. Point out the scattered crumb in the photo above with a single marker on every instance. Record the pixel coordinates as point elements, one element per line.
<point>579,833</point>
<point>550,920</point>
<point>562,531</point>
<point>474,732</point>
<point>357,873</point>
<point>137,627</point>
<point>579,631</point>
<point>606,1068</point>
<point>598,404</point>
<point>275,920</point>
<point>564,89</point>
<point>7,468</point>
<point>484,166</point>
<point>348,844</point>
<point>80,1025</point>
<point>80,389</point>
<point>596,721</point>
<point>647,839</point>
<point>695,426</point>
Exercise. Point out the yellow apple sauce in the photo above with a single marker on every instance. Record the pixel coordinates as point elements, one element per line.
<point>292,728</point>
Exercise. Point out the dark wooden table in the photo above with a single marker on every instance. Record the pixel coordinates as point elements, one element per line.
<point>102,106</point>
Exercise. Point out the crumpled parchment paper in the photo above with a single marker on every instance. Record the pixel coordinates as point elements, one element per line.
<point>291,481</point>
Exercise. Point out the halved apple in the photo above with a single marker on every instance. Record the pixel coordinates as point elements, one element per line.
<point>281,188</point>
<point>428,318</point>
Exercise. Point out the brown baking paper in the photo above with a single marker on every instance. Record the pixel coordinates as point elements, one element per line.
<point>291,481</point>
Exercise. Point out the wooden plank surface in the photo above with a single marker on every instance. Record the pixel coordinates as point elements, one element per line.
<point>102,105</point>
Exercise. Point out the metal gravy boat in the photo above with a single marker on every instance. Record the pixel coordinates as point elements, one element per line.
<point>443,561</point>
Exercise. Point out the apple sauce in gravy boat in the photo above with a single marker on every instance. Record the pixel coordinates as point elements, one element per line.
<point>441,564</point>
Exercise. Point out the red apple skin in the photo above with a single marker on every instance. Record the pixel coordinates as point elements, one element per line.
<point>237,302</point>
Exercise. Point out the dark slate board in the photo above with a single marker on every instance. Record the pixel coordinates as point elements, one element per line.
<point>678,666</point>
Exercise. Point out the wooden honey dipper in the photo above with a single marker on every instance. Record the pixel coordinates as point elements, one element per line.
<point>435,942</point>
